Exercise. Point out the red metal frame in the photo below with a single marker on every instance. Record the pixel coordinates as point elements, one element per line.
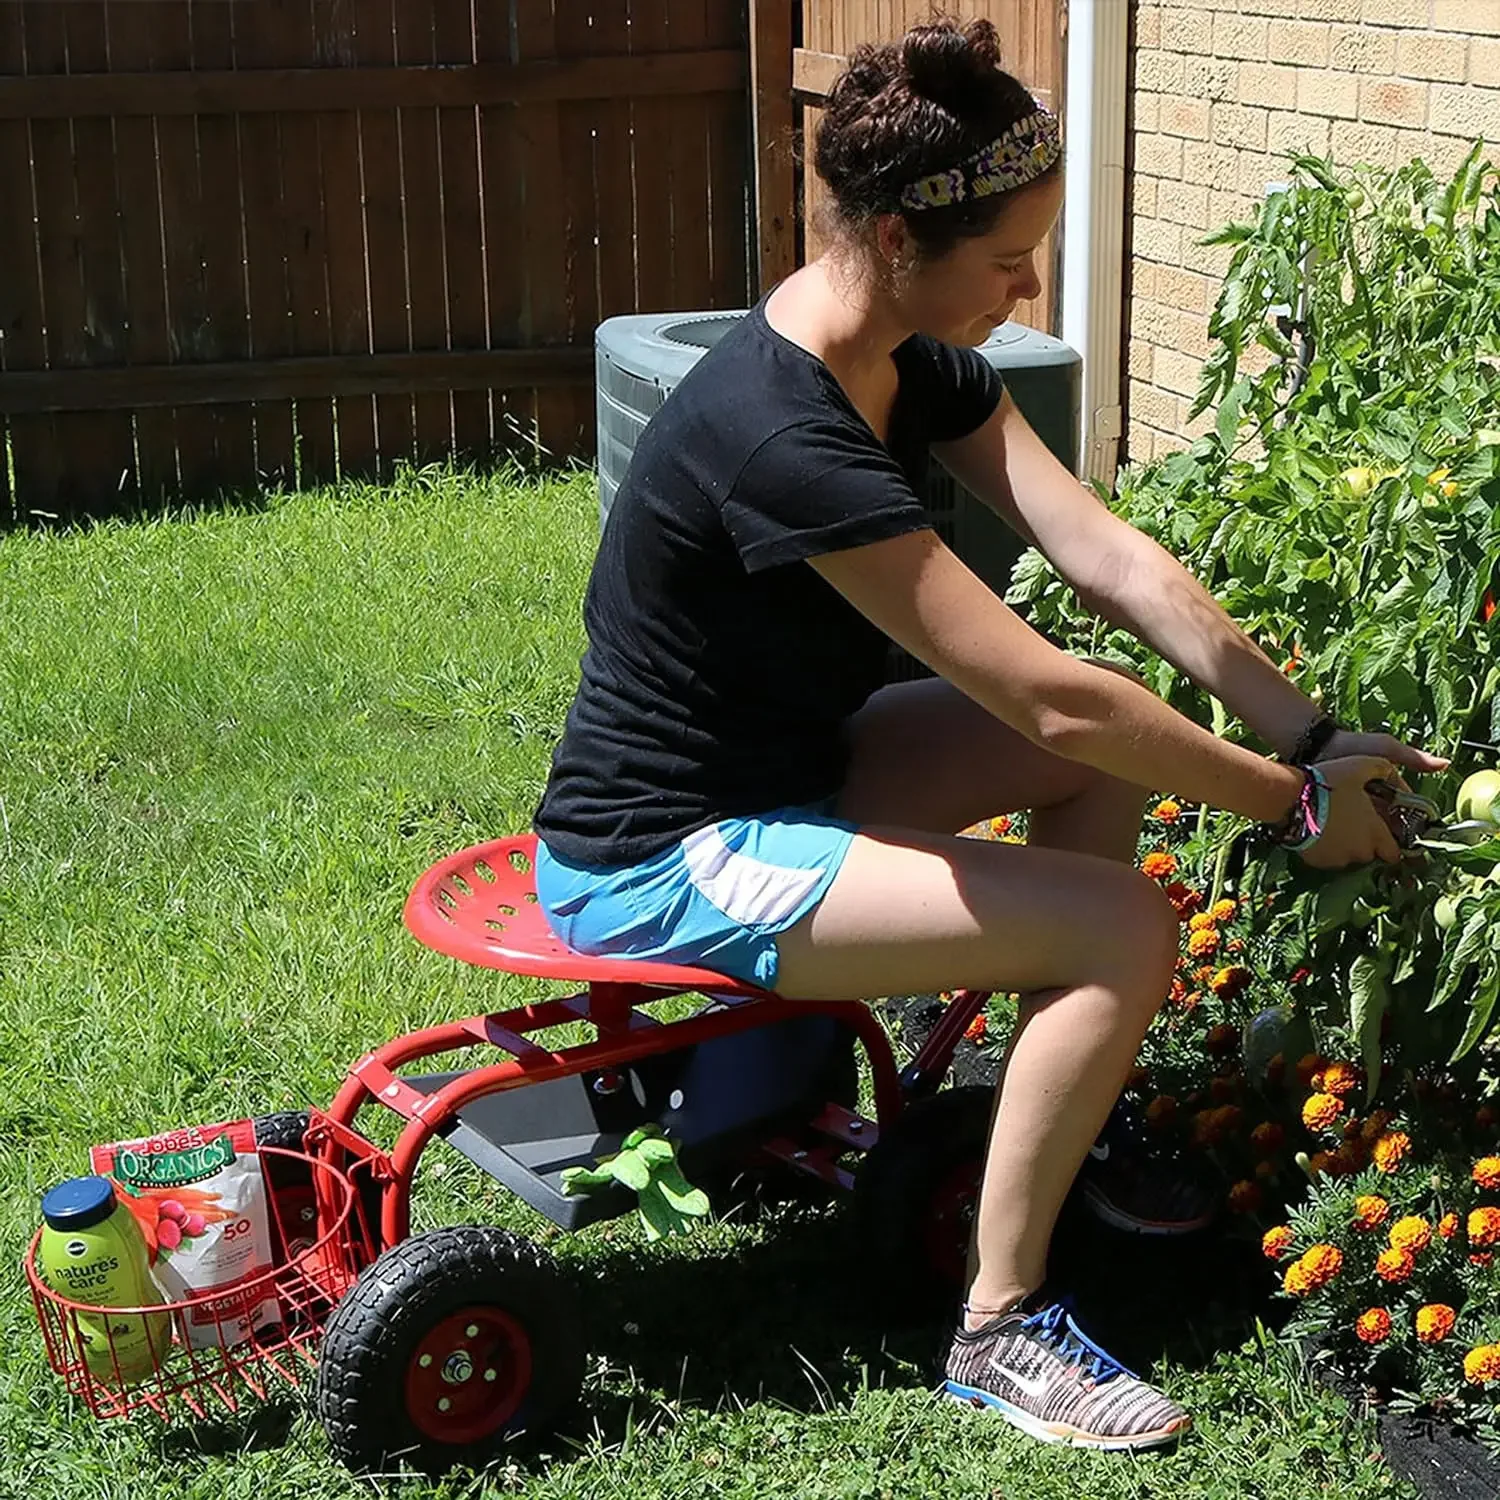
<point>479,906</point>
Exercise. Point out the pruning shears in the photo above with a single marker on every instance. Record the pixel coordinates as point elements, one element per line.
<point>1415,819</point>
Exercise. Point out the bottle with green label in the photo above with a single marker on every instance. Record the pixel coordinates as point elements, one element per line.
<point>92,1251</point>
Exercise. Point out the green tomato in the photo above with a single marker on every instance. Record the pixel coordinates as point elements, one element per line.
<point>1476,797</point>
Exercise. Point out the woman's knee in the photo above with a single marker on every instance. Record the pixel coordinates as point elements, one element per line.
<point>1149,933</point>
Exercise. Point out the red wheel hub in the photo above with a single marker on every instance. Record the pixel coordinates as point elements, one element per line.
<point>950,1213</point>
<point>469,1375</point>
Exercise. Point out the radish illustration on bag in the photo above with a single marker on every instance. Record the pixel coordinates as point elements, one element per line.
<point>200,1198</point>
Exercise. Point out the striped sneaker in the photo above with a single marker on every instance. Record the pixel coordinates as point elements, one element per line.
<point>1043,1374</point>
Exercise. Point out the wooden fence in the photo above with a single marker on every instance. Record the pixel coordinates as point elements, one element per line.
<point>249,242</point>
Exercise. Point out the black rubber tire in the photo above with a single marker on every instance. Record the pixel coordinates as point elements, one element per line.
<point>918,1168</point>
<point>371,1338</point>
<point>291,1182</point>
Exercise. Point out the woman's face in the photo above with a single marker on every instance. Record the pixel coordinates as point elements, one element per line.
<point>969,292</point>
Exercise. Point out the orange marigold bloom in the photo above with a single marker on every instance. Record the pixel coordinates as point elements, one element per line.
<point>1321,1110</point>
<point>1482,1364</point>
<point>1199,921</point>
<point>1167,811</point>
<point>1222,1038</point>
<point>1323,1263</point>
<point>1320,1162</point>
<point>1370,1212</point>
<point>1184,898</point>
<point>1373,1325</point>
<point>1487,1171</point>
<point>1244,1197</point>
<point>1354,1155</point>
<point>1161,1111</point>
<point>1298,1280</point>
<point>1275,1243</point>
<point>1225,1089</point>
<point>976,1028</point>
<point>1203,976</point>
<point>1482,1258</point>
<point>1309,1067</point>
<point>1000,825</point>
<point>1267,1138</point>
<point>1204,943</point>
<point>1394,1265</point>
<point>1224,911</point>
<point>1159,865</point>
<point>1484,1226</point>
<point>1390,1150</point>
<point>1448,1226</point>
<point>1265,1170</point>
<point>1231,981</point>
<point>1413,1233</point>
<point>1435,1322</point>
<point>1340,1078</point>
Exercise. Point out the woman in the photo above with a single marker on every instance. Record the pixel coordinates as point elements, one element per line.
<point>736,789</point>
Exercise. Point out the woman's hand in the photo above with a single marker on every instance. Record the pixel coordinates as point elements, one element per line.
<point>1386,746</point>
<point>1355,832</point>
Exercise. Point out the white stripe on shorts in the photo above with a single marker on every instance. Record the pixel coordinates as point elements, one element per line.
<point>746,889</point>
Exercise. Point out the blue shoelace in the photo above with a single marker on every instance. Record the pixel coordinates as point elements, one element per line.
<point>1055,1327</point>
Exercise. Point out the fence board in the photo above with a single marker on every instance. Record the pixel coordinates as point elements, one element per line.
<point>385,230</point>
<point>728,143</point>
<point>133,27</point>
<point>344,237</point>
<point>421,196</point>
<point>21,342</point>
<point>687,151</point>
<point>463,228</point>
<point>544,218</point>
<point>651,127</point>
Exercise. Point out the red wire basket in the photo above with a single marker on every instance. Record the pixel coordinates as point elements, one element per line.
<point>175,1377</point>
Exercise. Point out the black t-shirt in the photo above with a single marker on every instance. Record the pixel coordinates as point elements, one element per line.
<point>720,669</point>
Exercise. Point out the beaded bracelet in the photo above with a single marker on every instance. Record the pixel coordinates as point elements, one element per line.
<point>1303,825</point>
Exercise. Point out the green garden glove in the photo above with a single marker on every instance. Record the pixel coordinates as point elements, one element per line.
<point>647,1163</point>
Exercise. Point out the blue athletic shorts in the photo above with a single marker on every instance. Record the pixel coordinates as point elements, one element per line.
<point>716,900</point>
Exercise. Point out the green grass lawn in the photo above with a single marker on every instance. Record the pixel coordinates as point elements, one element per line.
<point>230,745</point>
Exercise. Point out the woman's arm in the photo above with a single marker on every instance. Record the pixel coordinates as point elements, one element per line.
<point>1126,578</point>
<point>922,595</point>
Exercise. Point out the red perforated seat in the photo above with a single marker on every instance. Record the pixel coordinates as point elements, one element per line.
<point>480,906</point>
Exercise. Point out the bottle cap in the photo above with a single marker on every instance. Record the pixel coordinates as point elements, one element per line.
<point>79,1203</point>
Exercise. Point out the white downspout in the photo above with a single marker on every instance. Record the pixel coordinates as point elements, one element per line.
<point>1094,220</point>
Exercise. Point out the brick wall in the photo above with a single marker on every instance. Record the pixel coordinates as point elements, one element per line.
<point>1224,89</point>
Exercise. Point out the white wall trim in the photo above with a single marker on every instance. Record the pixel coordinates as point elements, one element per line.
<point>1094,220</point>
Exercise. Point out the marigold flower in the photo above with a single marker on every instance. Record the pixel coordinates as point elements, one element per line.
<point>1370,1212</point>
<point>1482,1258</point>
<point>1394,1265</point>
<point>1373,1326</point>
<point>1435,1322</point>
<point>1222,1038</point>
<point>1265,1170</point>
<point>1321,1110</point>
<point>1413,1233</point>
<point>1204,943</point>
<point>1267,1138</point>
<point>1482,1364</point>
<point>1199,921</point>
<point>1224,911</point>
<point>1177,991</point>
<point>1225,1089</point>
<point>1323,1263</point>
<point>1203,976</point>
<point>1321,1162</point>
<point>1340,1078</point>
<point>1161,1111</point>
<point>1485,1117</point>
<point>1353,1156</point>
<point>1390,1150</point>
<point>1309,1067</point>
<point>1448,1226</point>
<point>1167,811</point>
<point>1000,826</point>
<point>1484,1226</point>
<point>976,1028</point>
<point>1159,865</point>
<point>1298,1280</point>
<point>1487,1171</point>
<point>1275,1243</point>
<point>1236,945</point>
<point>1298,974</point>
<point>1231,981</point>
<point>1184,898</point>
<point>1244,1197</point>
<point>1190,1002</point>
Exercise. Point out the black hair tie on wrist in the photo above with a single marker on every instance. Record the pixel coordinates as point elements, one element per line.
<point>1312,741</point>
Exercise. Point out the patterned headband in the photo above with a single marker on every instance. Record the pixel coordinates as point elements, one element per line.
<point>1020,156</point>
